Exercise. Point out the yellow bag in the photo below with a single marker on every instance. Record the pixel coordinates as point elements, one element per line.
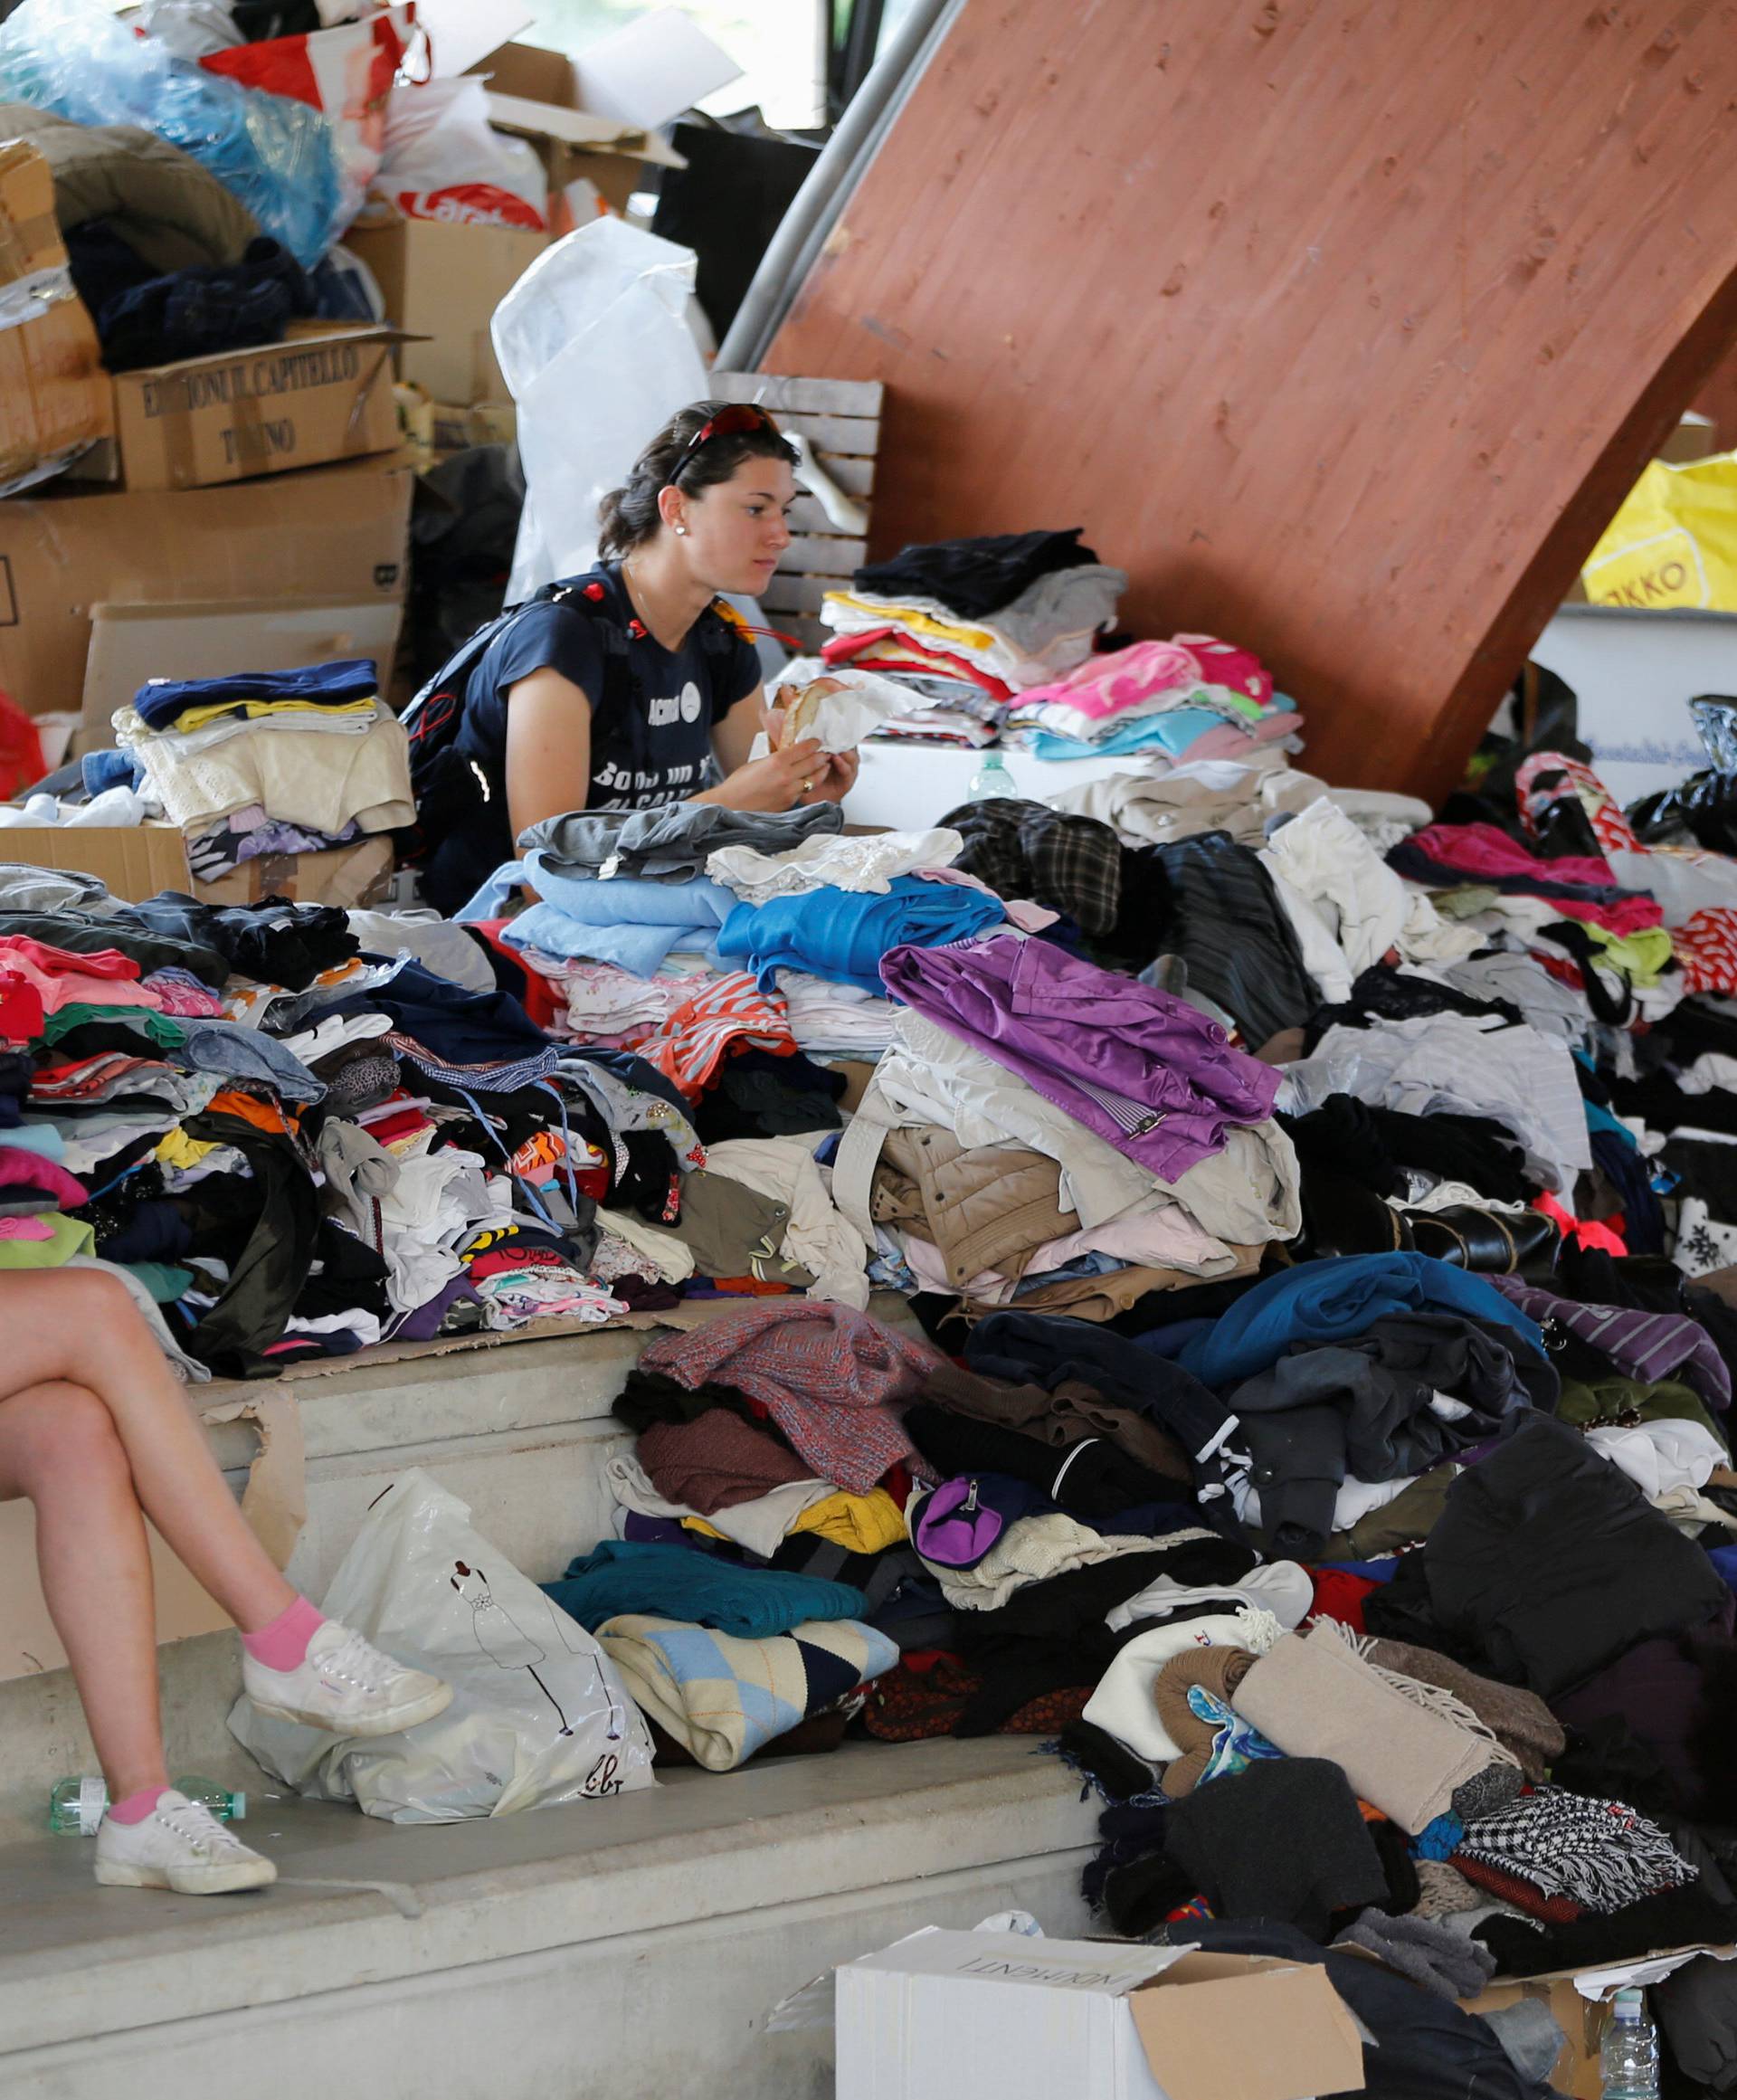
<point>1674,540</point>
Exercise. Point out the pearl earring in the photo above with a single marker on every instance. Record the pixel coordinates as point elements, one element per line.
<point>681,532</point>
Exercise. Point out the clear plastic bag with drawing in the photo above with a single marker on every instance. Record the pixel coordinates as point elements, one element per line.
<point>538,1714</point>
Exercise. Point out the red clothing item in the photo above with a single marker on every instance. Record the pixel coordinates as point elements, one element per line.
<point>1588,1231</point>
<point>1340,1596</point>
<point>731,1015</point>
<point>62,963</point>
<point>20,1011</point>
<point>1483,849</point>
<point>539,998</point>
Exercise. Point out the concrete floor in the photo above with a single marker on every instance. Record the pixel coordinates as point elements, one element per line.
<point>383,1950</point>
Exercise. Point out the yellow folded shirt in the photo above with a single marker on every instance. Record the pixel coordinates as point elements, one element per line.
<point>861,1524</point>
<point>909,616</point>
<point>203,718</point>
<point>177,1149</point>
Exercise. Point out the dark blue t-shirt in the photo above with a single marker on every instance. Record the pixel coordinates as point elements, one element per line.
<point>651,746</point>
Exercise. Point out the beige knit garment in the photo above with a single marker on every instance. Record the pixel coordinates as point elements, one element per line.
<point>1401,1749</point>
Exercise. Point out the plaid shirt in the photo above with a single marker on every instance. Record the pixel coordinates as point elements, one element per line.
<point>1025,848</point>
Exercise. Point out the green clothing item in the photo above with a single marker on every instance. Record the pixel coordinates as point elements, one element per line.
<point>162,1030</point>
<point>1406,1521</point>
<point>1466,903</point>
<point>1588,1405</point>
<point>70,1236</point>
<point>165,1282</point>
<point>1643,957</point>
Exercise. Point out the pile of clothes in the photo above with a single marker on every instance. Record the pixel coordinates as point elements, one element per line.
<point>1308,1406</point>
<point>265,762</point>
<point>967,626</point>
<point>1189,699</point>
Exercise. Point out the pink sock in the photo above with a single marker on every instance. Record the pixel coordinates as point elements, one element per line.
<point>283,1645</point>
<point>136,1807</point>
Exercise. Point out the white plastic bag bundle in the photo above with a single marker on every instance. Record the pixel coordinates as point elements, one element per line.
<point>539,1715</point>
<point>862,703</point>
<point>442,160</point>
<point>597,353</point>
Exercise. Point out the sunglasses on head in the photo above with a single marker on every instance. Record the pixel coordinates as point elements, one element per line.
<point>739,420</point>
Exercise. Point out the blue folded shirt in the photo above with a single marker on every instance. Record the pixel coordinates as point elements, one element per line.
<point>626,921</point>
<point>162,701</point>
<point>842,934</point>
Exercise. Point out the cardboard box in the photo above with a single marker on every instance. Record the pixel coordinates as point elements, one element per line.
<point>338,533</point>
<point>317,396</point>
<point>535,94</point>
<point>55,398</point>
<point>1695,438</point>
<point>135,860</point>
<point>1578,2002</point>
<point>456,429</point>
<point>349,877</point>
<point>138,860</point>
<point>951,2016</point>
<point>130,643</point>
<point>442,283</point>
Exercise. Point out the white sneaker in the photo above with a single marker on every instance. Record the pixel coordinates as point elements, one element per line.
<point>182,1846</point>
<point>347,1687</point>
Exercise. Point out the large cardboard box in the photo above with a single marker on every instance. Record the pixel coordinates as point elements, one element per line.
<point>338,533</point>
<point>54,397</point>
<point>536,94</point>
<point>1578,2002</point>
<point>442,283</point>
<point>321,395</point>
<point>130,643</point>
<point>953,2015</point>
<point>138,860</point>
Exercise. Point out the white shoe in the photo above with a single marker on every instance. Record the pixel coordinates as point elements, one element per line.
<point>347,1687</point>
<point>182,1846</point>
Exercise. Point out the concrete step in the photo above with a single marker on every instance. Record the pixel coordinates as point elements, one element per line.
<point>628,1950</point>
<point>519,1432</point>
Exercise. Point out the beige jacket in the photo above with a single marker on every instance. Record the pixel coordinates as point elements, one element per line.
<point>987,1207</point>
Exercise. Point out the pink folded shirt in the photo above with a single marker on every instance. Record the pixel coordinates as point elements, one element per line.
<point>1109,685</point>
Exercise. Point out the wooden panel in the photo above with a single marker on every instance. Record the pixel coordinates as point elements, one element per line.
<point>1343,325</point>
<point>854,435</point>
<point>794,594</point>
<point>829,558</point>
<point>776,394</point>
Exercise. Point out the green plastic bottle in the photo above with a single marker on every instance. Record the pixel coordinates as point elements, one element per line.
<point>76,1807</point>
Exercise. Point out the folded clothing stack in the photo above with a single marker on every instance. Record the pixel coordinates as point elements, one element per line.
<point>1189,699</point>
<point>270,762</point>
<point>967,624</point>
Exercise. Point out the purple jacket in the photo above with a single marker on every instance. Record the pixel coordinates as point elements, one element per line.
<point>1148,1073</point>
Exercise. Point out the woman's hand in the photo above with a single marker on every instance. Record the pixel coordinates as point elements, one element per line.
<point>837,778</point>
<point>777,781</point>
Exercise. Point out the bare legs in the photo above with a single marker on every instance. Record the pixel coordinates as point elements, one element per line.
<point>57,1446</point>
<point>94,1429</point>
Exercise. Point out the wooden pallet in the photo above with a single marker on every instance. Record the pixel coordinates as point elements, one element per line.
<point>840,418</point>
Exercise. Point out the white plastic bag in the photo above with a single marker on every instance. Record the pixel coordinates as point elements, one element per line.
<point>596,351</point>
<point>443,161</point>
<point>539,1715</point>
<point>858,709</point>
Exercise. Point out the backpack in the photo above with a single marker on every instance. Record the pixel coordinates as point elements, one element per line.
<point>448,786</point>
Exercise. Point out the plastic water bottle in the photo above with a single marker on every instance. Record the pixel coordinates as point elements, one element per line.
<point>992,781</point>
<point>76,1807</point>
<point>1628,2061</point>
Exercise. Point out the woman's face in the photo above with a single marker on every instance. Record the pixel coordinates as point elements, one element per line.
<point>736,533</point>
